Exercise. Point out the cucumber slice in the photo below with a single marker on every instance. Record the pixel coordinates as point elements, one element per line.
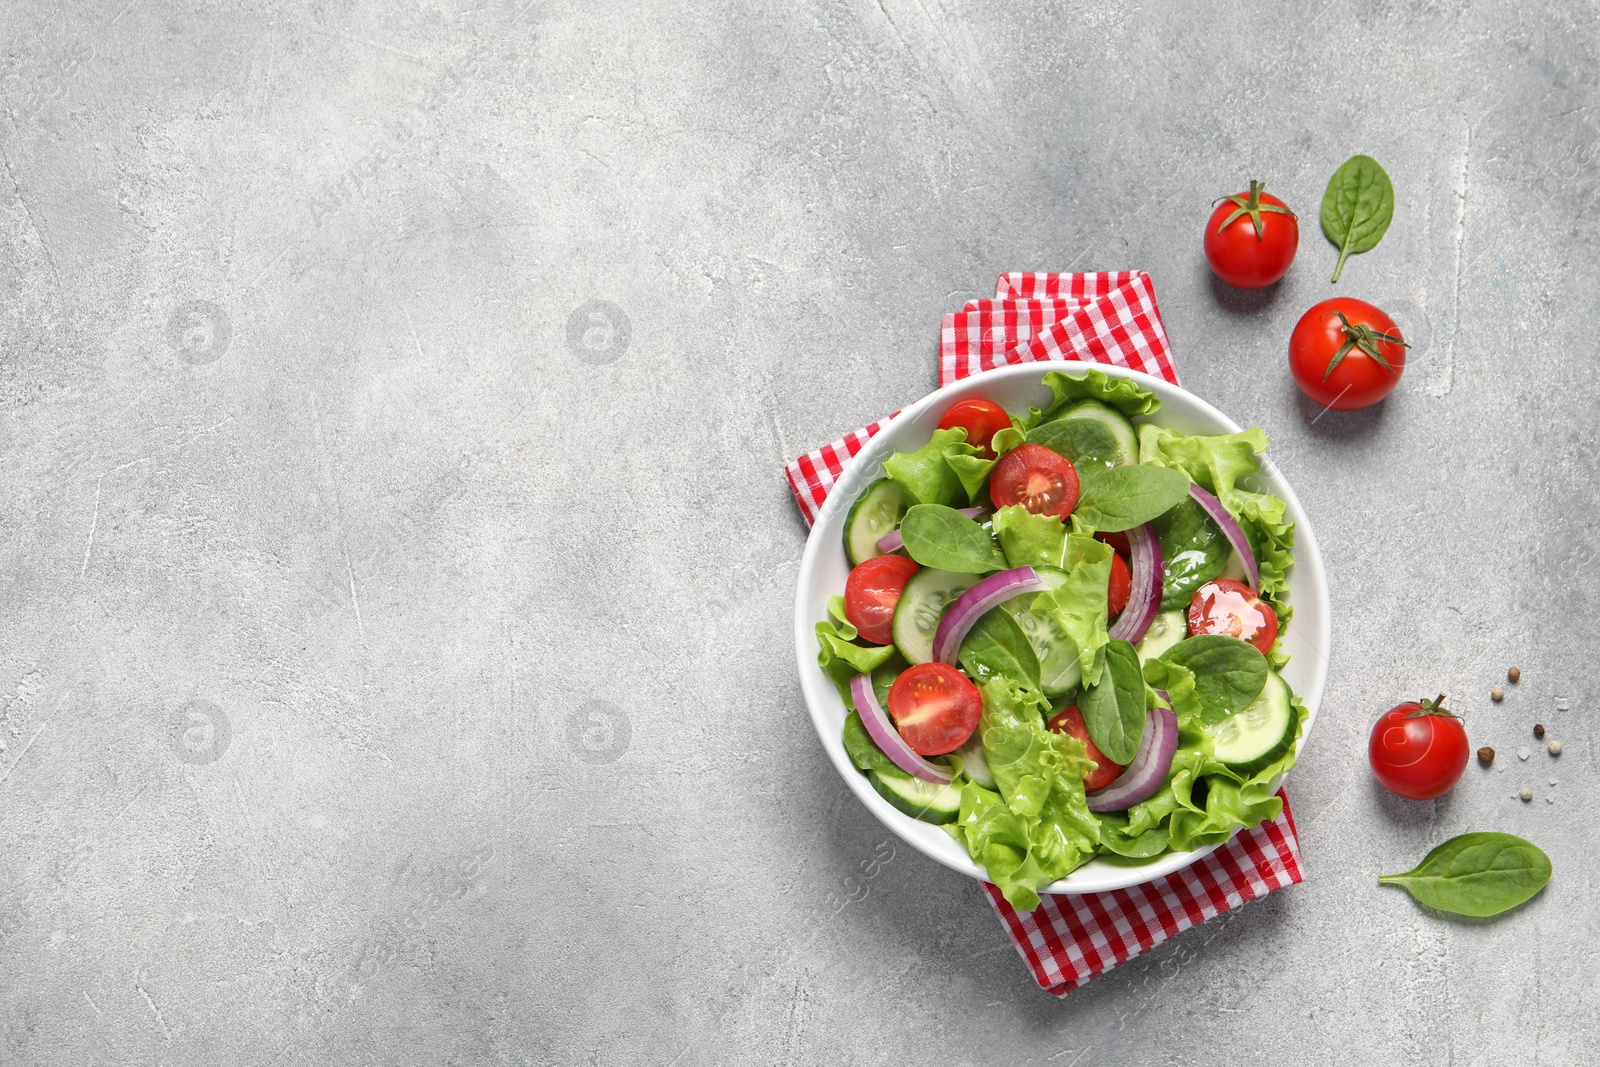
<point>928,801</point>
<point>1054,648</point>
<point>1166,630</point>
<point>974,762</point>
<point>1248,740</point>
<point>1115,421</point>
<point>916,617</point>
<point>875,513</point>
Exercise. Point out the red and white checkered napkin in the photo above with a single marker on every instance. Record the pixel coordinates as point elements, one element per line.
<point>1109,317</point>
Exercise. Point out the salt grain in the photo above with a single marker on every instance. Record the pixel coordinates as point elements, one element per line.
<point>1523,753</point>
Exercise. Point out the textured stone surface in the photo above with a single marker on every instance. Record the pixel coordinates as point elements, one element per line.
<point>396,564</point>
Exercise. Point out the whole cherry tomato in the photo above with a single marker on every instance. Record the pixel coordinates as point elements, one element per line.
<point>982,419</point>
<point>1251,238</point>
<point>1418,749</point>
<point>1346,354</point>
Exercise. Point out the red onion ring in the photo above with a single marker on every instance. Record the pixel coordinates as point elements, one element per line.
<point>882,731</point>
<point>970,606</point>
<point>1232,531</point>
<point>1144,548</point>
<point>1148,771</point>
<point>893,542</point>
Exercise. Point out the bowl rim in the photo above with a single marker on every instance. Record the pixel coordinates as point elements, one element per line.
<point>816,688</point>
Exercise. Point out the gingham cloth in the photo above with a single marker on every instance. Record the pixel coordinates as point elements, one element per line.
<point>1109,317</point>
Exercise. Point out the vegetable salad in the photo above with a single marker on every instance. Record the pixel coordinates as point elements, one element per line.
<point>1061,635</point>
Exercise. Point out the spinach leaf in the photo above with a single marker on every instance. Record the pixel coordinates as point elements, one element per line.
<point>1476,874</point>
<point>1120,498</point>
<point>1357,207</point>
<point>1193,551</point>
<point>1114,709</point>
<point>1083,441</point>
<point>1228,673</point>
<point>943,538</point>
<point>996,646</point>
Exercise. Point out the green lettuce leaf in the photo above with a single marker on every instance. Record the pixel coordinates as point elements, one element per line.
<point>1221,464</point>
<point>1036,827</point>
<point>1030,540</point>
<point>1124,394</point>
<point>840,657</point>
<point>945,471</point>
<point>1079,605</point>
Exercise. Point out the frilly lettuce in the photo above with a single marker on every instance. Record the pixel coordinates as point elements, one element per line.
<point>1035,827</point>
<point>945,471</point>
<point>1079,606</point>
<point>1124,394</point>
<point>1220,464</point>
<point>840,657</point>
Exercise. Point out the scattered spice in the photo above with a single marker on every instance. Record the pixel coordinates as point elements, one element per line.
<point>1527,794</point>
<point>1555,748</point>
<point>1523,753</point>
<point>1538,730</point>
<point>1486,755</point>
<point>1497,694</point>
<point>1515,674</point>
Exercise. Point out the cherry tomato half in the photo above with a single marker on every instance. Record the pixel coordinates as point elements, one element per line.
<point>1346,354</point>
<point>1251,238</point>
<point>982,419</point>
<point>1120,588</point>
<point>935,707</point>
<point>871,593</point>
<point>1044,482</point>
<point>1418,749</point>
<point>1070,721</point>
<point>1225,606</point>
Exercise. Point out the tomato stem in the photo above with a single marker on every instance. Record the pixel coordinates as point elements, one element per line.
<point>1435,706</point>
<point>1250,204</point>
<point>1360,335</point>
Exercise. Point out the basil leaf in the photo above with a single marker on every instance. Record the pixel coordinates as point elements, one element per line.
<point>943,538</point>
<point>1083,441</point>
<point>1476,874</point>
<point>1120,498</point>
<point>1193,551</point>
<point>996,646</point>
<point>1113,709</point>
<point>1228,673</point>
<point>1357,207</point>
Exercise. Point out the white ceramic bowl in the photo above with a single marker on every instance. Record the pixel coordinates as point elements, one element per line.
<point>823,569</point>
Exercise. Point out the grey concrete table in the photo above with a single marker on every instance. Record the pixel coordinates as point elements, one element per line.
<point>397,565</point>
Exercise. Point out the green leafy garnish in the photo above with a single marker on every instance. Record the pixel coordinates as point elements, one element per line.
<point>943,538</point>
<point>1357,207</point>
<point>1478,874</point>
<point>1228,673</point>
<point>1120,498</point>
<point>1114,709</point>
<point>997,647</point>
<point>1124,394</point>
<point>1084,441</point>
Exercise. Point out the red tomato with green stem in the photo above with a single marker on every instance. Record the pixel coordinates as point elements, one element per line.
<point>935,707</point>
<point>982,419</point>
<point>1070,721</point>
<point>871,593</point>
<point>1251,238</point>
<point>1346,354</point>
<point>1042,481</point>
<point>1225,606</point>
<point>1418,749</point>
